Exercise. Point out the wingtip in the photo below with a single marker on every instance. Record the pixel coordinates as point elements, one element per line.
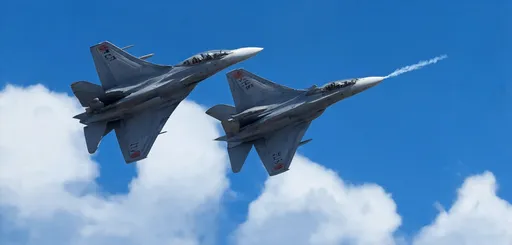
<point>237,73</point>
<point>234,70</point>
<point>278,172</point>
<point>105,42</point>
<point>132,160</point>
<point>99,43</point>
<point>235,170</point>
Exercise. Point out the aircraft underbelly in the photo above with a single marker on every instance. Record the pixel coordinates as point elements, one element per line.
<point>119,112</point>
<point>266,126</point>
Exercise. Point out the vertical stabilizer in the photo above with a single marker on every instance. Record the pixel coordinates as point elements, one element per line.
<point>223,113</point>
<point>93,134</point>
<point>238,154</point>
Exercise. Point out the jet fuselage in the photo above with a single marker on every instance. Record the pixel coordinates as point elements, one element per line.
<point>169,87</point>
<point>305,107</point>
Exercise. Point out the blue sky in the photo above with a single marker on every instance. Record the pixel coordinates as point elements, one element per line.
<point>418,135</point>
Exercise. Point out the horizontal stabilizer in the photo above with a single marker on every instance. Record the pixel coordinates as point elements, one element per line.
<point>230,127</point>
<point>221,112</point>
<point>238,154</point>
<point>86,92</point>
<point>93,134</point>
<point>81,116</point>
<point>221,138</point>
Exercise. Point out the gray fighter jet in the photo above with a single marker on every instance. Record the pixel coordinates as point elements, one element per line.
<point>274,118</point>
<point>137,97</point>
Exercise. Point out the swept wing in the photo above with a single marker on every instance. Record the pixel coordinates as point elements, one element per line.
<point>137,134</point>
<point>277,149</point>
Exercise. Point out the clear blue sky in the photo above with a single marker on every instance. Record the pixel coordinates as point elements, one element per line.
<point>417,135</point>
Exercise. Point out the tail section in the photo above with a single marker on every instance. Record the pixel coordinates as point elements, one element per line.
<point>116,67</point>
<point>86,92</point>
<point>249,90</point>
<point>238,151</point>
<point>93,134</point>
<point>82,116</point>
<point>238,154</point>
<point>223,113</point>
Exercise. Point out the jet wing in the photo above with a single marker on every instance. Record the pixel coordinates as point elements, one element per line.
<point>137,134</point>
<point>277,149</point>
<point>250,90</point>
<point>116,67</point>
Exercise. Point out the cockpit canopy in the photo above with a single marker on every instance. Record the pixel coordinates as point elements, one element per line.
<point>339,84</point>
<point>205,56</point>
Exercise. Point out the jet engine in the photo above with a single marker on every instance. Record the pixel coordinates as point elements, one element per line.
<point>94,105</point>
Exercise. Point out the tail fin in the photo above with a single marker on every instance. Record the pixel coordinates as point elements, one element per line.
<point>223,113</point>
<point>116,67</point>
<point>93,134</point>
<point>238,154</point>
<point>237,151</point>
<point>85,92</point>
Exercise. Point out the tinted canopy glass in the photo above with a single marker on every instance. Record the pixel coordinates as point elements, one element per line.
<point>205,56</point>
<point>339,84</point>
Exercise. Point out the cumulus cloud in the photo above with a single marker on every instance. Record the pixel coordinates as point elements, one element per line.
<point>48,193</point>
<point>312,205</point>
<point>478,217</point>
<point>47,178</point>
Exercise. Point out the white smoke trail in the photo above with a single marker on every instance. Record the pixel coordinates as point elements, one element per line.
<point>416,66</point>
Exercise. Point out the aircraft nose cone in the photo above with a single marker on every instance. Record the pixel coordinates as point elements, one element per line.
<point>249,51</point>
<point>242,54</point>
<point>370,81</point>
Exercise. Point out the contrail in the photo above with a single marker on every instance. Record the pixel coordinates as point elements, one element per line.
<point>416,66</point>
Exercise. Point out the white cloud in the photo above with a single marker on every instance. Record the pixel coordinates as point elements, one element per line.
<point>478,217</point>
<point>47,178</point>
<point>48,192</point>
<point>312,205</point>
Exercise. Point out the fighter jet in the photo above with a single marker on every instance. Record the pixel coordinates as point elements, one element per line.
<point>274,117</point>
<point>137,97</point>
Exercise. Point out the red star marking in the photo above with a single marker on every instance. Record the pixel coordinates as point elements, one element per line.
<point>135,154</point>
<point>278,166</point>
<point>237,75</point>
<point>102,48</point>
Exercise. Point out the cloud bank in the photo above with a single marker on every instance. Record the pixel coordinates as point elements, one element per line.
<point>478,216</point>
<point>312,205</point>
<point>47,180</point>
<point>48,193</point>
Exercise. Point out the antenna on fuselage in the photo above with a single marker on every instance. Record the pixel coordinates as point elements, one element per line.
<point>146,56</point>
<point>127,47</point>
